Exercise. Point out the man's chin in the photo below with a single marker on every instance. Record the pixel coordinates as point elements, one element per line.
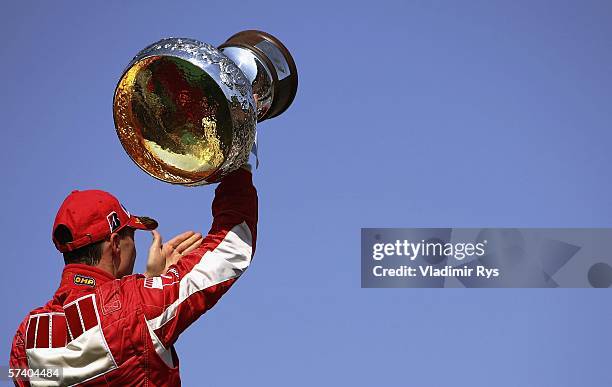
<point>126,271</point>
<point>123,273</point>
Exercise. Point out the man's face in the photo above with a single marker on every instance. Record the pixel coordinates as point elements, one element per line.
<point>127,251</point>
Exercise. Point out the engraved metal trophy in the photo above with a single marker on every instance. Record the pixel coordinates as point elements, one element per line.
<point>185,111</point>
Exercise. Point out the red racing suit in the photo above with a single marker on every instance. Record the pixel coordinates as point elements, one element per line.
<point>102,330</point>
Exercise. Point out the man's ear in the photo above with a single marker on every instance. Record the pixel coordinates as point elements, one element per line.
<point>114,243</point>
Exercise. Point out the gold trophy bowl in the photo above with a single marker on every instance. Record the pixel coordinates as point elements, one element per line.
<point>186,112</point>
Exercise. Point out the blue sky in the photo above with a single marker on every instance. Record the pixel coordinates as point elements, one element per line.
<point>408,114</point>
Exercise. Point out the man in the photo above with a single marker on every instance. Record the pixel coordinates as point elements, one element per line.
<point>107,326</point>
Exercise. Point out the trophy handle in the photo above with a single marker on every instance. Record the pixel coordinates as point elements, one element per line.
<point>279,64</point>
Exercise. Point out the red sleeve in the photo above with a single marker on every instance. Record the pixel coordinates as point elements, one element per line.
<point>18,357</point>
<point>192,286</point>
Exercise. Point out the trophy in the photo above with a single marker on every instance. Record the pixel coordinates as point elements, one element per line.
<point>185,111</point>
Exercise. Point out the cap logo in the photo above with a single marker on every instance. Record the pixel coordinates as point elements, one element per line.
<point>84,280</point>
<point>113,221</point>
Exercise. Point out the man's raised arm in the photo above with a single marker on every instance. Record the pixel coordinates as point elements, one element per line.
<point>196,282</point>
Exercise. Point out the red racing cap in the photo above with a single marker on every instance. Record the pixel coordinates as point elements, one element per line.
<point>90,216</point>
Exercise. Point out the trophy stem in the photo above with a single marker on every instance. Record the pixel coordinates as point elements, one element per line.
<point>258,74</point>
<point>269,66</point>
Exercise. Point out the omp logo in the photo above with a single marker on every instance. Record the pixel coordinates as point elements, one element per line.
<point>84,280</point>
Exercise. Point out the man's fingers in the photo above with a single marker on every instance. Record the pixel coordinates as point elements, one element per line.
<point>193,246</point>
<point>177,240</point>
<point>157,239</point>
<point>182,248</point>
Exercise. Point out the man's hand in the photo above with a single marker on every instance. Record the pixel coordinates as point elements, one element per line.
<point>161,257</point>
